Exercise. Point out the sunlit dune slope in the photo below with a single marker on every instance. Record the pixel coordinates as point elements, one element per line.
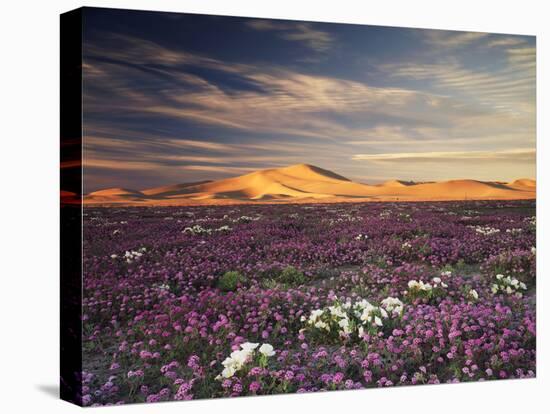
<point>523,182</point>
<point>303,183</point>
<point>116,192</point>
<point>397,183</point>
<point>114,195</point>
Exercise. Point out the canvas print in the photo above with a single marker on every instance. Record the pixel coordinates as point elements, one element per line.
<point>274,206</point>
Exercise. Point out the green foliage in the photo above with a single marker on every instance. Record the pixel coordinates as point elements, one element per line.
<point>291,276</point>
<point>459,267</point>
<point>277,277</point>
<point>269,283</point>
<point>230,281</point>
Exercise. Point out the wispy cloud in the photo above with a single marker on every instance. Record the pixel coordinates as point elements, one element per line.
<point>218,169</point>
<point>118,164</point>
<point>508,88</point>
<point>518,154</point>
<point>506,41</point>
<point>449,39</point>
<point>285,102</point>
<point>301,32</point>
<point>522,56</point>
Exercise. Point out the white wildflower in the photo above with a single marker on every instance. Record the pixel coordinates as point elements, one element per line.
<point>267,350</point>
<point>249,346</point>
<point>393,305</point>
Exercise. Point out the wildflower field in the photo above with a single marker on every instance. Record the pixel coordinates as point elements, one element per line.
<point>201,302</point>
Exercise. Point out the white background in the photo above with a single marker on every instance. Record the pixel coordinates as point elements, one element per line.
<point>29,236</point>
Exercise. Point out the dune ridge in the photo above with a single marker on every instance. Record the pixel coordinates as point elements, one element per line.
<point>524,182</point>
<point>308,183</point>
<point>397,183</point>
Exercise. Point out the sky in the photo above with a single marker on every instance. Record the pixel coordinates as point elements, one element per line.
<point>174,98</point>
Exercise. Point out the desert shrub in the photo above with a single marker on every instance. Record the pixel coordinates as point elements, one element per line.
<point>291,276</point>
<point>270,272</point>
<point>269,283</point>
<point>275,276</point>
<point>230,281</point>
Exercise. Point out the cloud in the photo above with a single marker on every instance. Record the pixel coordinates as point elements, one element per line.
<point>206,145</point>
<point>453,75</point>
<point>301,32</point>
<point>213,168</point>
<point>418,138</point>
<point>449,39</point>
<point>523,56</point>
<point>294,104</point>
<point>154,109</point>
<point>118,164</point>
<point>506,41</point>
<point>283,101</point>
<point>143,54</point>
<point>508,87</point>
<point>154,152</point>
<point>518,154</point>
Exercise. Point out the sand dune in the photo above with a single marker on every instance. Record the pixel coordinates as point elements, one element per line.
<point>524,182</point>
<point>397,183</point>
<point>115,195</point>
<point>303,183</point>
<point>170,189</point>
<point>116,192</point>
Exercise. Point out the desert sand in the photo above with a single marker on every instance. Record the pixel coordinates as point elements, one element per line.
<point>308,183</point>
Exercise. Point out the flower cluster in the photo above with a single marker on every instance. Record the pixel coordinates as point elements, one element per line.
<point>371,316</point>
<point>473,295</point>
<point>240,357</point>
<point>198,229</point>
<point>393,305</point>
<point>519,263</point>
<point>509,285</point>
<point>246,219</point>
<point>485,230</point>
<point>131,255</point>
<point>417,289</point>
<point>358,318</point>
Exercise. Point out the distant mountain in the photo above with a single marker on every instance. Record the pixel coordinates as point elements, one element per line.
<point>303,183</point>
